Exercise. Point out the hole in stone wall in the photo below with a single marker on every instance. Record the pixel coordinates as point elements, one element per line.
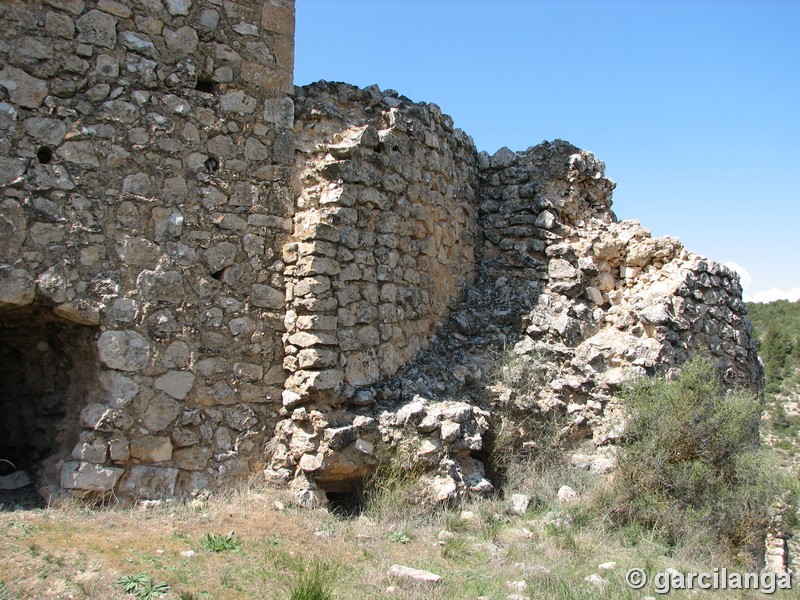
<point>44,154</point>
<point>212,164</point>
<point>48,369</point>
<point>218,274</point>
<point>205,84</point>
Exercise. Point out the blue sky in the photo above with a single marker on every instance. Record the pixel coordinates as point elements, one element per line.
<point>694,105</point>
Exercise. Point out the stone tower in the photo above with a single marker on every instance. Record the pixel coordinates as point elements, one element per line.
<point>145,157</point>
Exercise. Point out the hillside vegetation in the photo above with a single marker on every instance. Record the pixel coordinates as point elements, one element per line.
<point>777,329</point>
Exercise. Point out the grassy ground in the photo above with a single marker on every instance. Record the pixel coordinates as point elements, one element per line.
<point>76,553</point>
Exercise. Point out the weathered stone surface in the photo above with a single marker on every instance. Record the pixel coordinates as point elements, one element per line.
<point>161,411</point>
<point>123,350</point>
<point>97,28</point>
<point>23,89</point>
<point>89,477</point>
<point>151,449</point>
<point>192,459</point>
<point>410,575</point>
<point>179,7</point>
<point>149,483</point>
<point>15,480</point>
<point>176,383</point>
<point>16,286</point>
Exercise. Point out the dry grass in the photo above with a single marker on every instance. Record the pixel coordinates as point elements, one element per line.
<point>76,553</point>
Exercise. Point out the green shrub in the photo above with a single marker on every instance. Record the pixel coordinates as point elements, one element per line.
<point>313,582</point>
<point>142,586</point>
<point>689,460</point>
<point>211,542</point>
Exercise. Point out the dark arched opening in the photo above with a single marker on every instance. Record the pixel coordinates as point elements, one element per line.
<point>48,366</point>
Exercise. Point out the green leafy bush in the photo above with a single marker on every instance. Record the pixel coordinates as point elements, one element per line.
<point>689,461</point>
<point>211,542</point>
<point>142,586</point>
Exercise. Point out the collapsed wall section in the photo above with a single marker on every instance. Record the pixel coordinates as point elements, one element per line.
<point>566,304</point>
<point>145,158</point>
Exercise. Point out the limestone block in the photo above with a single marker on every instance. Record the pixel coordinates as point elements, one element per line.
<point>362,368</point>
<point>339,437</point>
<point>178,7</point>
<point>279,112</point>
<point>304,339</point>
<point>220,256</point>
<point>123,350</point>
<point>136,251</point>
<point>264,296</point>
<point>151,449</point>
<point>449,431</point>
<point>520,503</point>
<point>114,8</point>
<point>175,383</point>
<point>16,286</point>
<point>317,358</point>
<point>90,449</point>
<point>139,43</point>
<point>23,89</point>
<point>120,389</point>
<point>161,411</point>
<point>192,459</point>
<point>119,449</point>
<point>149,483</point>
<point>236,101</point>
<point>240,417</point>
<point>59,25</point>
<point>559,268</point>
<point>46,130</point>
<point>183,41</point>
<point>98,29</point>
<point>89,477</point>
<point>96,416</point>
<point>417,576</point>
<point>595,295</point>
<point>137,184</point>
<point>218,393</point>
<point>567,494</point>
<point>248,371</point>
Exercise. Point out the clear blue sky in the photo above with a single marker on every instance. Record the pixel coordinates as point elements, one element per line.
<point>694,105</point>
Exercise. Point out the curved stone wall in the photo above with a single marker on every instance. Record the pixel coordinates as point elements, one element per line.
<point>384,236</point>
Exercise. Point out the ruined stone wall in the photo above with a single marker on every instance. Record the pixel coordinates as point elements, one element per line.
<point>145,158</point>
<point>383,240</point>
<point>565,304</point>
<point>190,270</point>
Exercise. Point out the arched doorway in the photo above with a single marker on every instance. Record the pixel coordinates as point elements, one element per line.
<point>48,367</point>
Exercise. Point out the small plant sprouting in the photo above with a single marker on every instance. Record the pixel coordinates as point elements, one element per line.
<point>400,537</point>
<point>142,586</point>
<point>4,591</point>
<point>211,542</point>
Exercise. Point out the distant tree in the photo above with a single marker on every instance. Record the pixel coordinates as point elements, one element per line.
<point>777,348</point>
